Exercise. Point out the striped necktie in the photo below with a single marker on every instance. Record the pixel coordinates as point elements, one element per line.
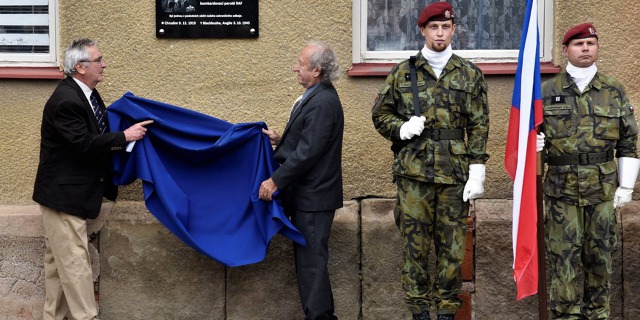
<point>295,106</point>
<point>99,113</point>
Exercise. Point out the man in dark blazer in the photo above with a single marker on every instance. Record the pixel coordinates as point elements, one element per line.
<point>310,176</point>
<point>73,176</point>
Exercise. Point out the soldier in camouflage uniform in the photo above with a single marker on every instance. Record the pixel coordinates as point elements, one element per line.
<point>435,170</point>
<point>587,116</point>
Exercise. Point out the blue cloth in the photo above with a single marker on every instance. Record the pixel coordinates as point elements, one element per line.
<point>200,176</point>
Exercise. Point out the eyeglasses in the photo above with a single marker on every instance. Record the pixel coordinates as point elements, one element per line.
<point>99,60</point>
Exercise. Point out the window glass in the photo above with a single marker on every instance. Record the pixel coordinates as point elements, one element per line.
<point>489,25</point>
<point>387,30</point>
<point>27,31</point>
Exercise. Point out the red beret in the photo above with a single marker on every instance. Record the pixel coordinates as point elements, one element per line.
<point>581,31</point>
<point>437,11</point>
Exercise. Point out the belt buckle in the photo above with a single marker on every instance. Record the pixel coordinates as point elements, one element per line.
<point>583,159</point>
<point>435,134</point>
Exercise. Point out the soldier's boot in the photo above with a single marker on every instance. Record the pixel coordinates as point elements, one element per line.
<point>424,315</point>
<point>445,317</point>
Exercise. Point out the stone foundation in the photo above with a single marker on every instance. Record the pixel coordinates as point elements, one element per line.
<point>144,272</point>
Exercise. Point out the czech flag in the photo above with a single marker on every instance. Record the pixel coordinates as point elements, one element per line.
<point>520,154</point>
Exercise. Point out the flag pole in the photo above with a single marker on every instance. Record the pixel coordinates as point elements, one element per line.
<point>542,274</point>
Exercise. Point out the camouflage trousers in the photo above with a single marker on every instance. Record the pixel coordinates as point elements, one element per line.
<point>580,236</point>
<point>431,212</point>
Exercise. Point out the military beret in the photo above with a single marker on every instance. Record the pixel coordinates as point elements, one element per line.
<point>581,31</point>
<point>437,11</point>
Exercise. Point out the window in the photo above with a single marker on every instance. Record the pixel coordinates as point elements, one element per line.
<point>28,35</point>
<point>386,31</point>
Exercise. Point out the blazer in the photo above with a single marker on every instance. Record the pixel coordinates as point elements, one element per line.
<point>310,153</point>
<point>74,168</point>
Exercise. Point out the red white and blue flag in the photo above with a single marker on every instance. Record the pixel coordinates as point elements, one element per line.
<point>520,154</point>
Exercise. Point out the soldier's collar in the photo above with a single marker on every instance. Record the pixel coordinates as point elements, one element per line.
<point>421,60</point>
<point>595,83</point>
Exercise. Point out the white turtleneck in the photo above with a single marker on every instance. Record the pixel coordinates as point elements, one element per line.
<point>581,76</point>
<point>437,60</point>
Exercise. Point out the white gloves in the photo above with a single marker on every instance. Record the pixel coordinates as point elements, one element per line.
<point>622,197</point>
<point>474,187</point>
<point>627,175</point>
<point>539,142</point>
<point>412,128</point>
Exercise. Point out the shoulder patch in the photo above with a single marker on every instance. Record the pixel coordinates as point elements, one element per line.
<point>385,89</point>
<point>484,85</point>
<point>375,101</point>
<point>378,100</point>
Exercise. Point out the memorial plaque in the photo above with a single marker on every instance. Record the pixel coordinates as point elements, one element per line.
<point>206,19</point>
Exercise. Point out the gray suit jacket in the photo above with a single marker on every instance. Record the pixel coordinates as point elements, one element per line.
<point>310,153</point>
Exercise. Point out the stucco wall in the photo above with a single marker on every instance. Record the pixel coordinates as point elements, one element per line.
<point>243,80</point>
<point>251,80</point>
<point>618,30</point>
<point>21,103</point>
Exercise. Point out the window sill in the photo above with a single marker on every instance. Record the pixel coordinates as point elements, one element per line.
<point>31,73</point>
<point>383,69</point>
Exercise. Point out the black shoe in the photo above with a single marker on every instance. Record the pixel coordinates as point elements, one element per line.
<point>424,315</point>
<point>445,317</point>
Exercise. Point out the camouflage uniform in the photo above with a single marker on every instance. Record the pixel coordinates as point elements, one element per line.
<point>430,173</point>
<point>580,222</point>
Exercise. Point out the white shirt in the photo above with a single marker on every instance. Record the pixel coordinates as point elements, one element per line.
<point>437,60</point>
<point>582,76</point>
<point>85,89</point>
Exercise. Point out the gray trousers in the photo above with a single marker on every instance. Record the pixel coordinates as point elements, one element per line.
<point>311,263</point>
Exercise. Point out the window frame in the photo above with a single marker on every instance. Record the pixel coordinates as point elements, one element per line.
<point>35,65</point>
<point>361,56</point>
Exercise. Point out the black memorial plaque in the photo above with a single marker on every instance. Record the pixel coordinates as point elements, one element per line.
<point>206,19</point>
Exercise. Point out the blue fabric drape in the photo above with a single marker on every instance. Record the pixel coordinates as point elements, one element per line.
<point>200,176</point>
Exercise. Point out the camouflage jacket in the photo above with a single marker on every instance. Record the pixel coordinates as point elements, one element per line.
<point>457,100</point>
<point>600,119</point>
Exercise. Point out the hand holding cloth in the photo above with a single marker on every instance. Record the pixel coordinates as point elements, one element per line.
<point>200,177</point>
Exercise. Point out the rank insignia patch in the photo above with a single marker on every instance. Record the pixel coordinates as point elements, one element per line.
<point>557,99</point>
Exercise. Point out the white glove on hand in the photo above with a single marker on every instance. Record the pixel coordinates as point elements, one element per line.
<point>622,197</point>
<point>627,174</point>
<point>539,142</point>
<point>412,128</point>
<point>474,187</point>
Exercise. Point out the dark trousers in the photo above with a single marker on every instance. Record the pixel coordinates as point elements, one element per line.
<point>311,263</point>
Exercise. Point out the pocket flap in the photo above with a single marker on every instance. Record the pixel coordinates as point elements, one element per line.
<point>418,143</point>
<point>458,147</point>
<point>461,85</point>
<point>608,112</point>
<point>608,167</point>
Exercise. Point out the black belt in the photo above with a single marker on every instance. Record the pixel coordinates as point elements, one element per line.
<point>581,159</point>
<point>443,134</point>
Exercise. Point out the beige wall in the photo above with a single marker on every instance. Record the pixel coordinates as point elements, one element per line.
<point>243,80</point>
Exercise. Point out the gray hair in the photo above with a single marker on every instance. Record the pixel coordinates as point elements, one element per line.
<point>326,60</point>
<point>75,53</point>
